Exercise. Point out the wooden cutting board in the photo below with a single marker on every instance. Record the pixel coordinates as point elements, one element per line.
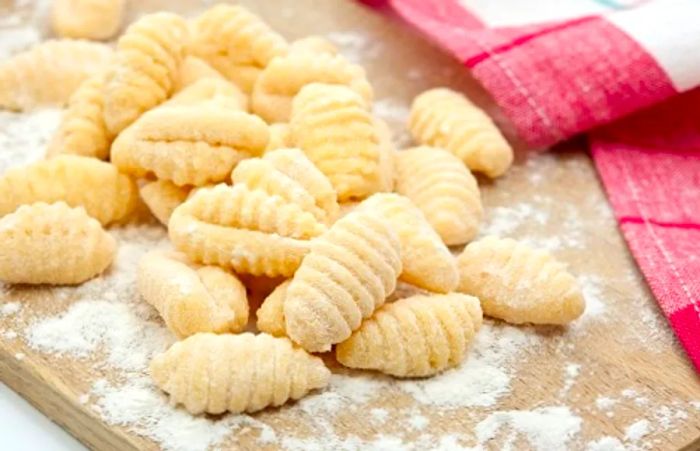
<point>618,373</point>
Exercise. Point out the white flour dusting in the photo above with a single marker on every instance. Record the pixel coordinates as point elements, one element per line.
<point>379,416</point>
<point>605,403</point>
<point>23,137</point>
<point>354,46</point>
<point>10,308</point>
<point>606,444</point>
<point>592,289</point>
<point>546,428</point>
<point>635,431</point>
<point>418,422</point>
<point>571,372</point>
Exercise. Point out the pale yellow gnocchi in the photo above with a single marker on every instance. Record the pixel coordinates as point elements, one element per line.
<point>163,197</point>
<point>192,298</point>
<point>87,19</point>
<point>346,276</point>
<point>193,69</point>
<point>417,336</point>
<point>53,244</point>
<point>519,284</point>
<point>236,373</point>
<point>270,315</point>
<point>211,91</point>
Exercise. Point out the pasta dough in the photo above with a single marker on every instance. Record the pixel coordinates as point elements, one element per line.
<point>347,275</point>
<point>447,193</point>
<point>518,284</point>
<point>53,244</point>
<point>189,145</point>
<point>414,337</point>
<point>87,19</point>
<point>163,197</point>
<point>49,73</point>
<point>149,54</point>
<point>236,373</point>
<point>106,194</point>
<point>331,124</point>
<point>444,118</point>
<point>426,261</point>
<point>270,315</point>
<point>192,298</point>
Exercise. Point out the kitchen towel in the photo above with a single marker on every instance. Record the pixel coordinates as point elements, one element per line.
<point>625,72</point>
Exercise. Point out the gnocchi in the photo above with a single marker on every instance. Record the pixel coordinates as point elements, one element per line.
<point>87,19</point>
<point>270,315</point>
<point>163,197</point>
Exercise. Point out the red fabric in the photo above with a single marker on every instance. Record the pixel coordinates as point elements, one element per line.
<point>555,80</point>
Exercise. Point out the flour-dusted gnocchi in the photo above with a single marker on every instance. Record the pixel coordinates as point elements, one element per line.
<point>236,373</point>
<point>87,19</point>
<point>106,194</point>
<point>211,90</point>
<point>82,130</point>
<point>347,275</point>
<point>280,137</point>
<point>447,193</point>
<point>53,244</point>
<point>426,260</point>
<point>235,42</point>
<point>193,69</point>
<point>192,298</point>
<point>270,315</point>
<point>444,118</point>
<point>519,284</point>
<point>284,77</point>
<point>189,144</point>
<point>332,125</point>
<point>162,197</point>
<point>248,230</point>
<point>146,70</point>
<point>288,173</point>
<point>417,336</point>
<point>49,73</point>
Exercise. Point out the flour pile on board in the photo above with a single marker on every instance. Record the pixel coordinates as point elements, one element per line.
<point>23,137</point>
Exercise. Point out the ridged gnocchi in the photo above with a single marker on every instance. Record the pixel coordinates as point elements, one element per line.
<point>417,336</point>
<point>145,72</point>
<point>444,118</point>
<point>236,373</point>
<point>426,261</point>
<point>248,230</point>
<point>192,298</point>
<point>87,19</point>
<point>235,42</point>
<point>447,193</point>
<point>346,276</point>
<point>189,145</point>
<point>53,244</point>
<point>519,284</point>
<point>105,193</point>
<point>280,137</point>
<point>193,69</point>
<point>211,90</point>
<point>162,197</point>
<point>82,130</point>
<point>332,125</point>
<point>270,315</point>
<point>284,77</point>
<point>49,73</point>
<point>288,173</point>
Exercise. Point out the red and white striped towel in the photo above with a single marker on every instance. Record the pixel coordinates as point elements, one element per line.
<point>628,73</point>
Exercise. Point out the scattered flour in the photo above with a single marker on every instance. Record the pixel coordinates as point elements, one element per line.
<point>592,288</point>
<point>606,444</point>
<point>418,422</point>
<point>10,308</point>
<point>20,356</point>
<point>23,137</point>
<point>9,335</point>
<point>571,372</point>
<point>546,428</point>
<point>605,403</point>
<point>379,415</point>
<point>503,221</point>
<point>84,398</point>
<point>354,46</point>
<point>637,430</point>
<point>695,404</point>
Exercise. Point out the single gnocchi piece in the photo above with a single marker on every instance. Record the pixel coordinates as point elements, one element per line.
<point>82,130</point>
<point>284,77</point>
<point>519,284</point>
<point>145,73</point>
<point>53,244</point>
<point>332,125</point>
<point>193,69</point>
<point>189,144</point>
<point>87,19</point>
<point>49,72</point>
<point>447,193</point>
<point>280,137</point>
<point>105,193</point>
<point>192,298</point>
<point>417,336</point>
<point>211,91</point>
<point>247,230</point>
<point>347,275</point>
<point>426,261</point>
<point>270,315</point>
<point>288,173</point>
<point>163,197</point>
<point>235,42</point>
<point>444,118</point>
<point>209,373</point>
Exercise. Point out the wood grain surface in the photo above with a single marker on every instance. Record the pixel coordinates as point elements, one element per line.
<point>624,351</point>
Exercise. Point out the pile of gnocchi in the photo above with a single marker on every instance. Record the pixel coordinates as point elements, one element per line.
<point>275,180</point>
